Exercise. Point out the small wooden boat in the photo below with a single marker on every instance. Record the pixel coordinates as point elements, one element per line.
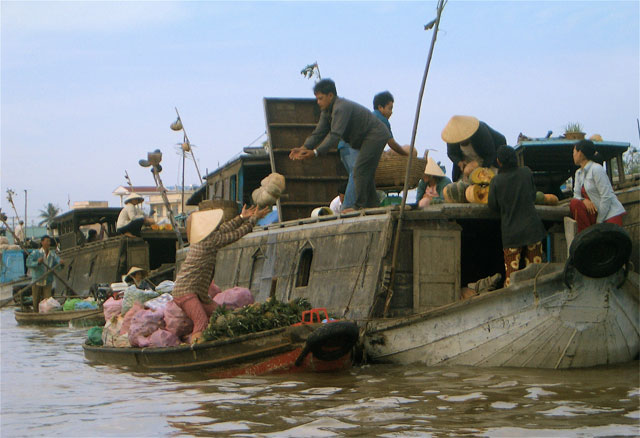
<point>73,318</point>
<point>307,347</point>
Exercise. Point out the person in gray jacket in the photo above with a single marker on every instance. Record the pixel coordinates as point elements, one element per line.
<point>342,118</point>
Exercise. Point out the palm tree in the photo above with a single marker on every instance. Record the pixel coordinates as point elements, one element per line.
<point>50,211</point>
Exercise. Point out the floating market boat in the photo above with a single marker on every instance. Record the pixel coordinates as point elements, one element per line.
<point>74,318</point>
<point>306,347</point>
<point>105,261</point>
<point>552,316</point>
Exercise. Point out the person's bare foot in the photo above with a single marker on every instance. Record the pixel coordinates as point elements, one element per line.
<point>128,234</point>
<point>196,338</point>
<point>348,210</point>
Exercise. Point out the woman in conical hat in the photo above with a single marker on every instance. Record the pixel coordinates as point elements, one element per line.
<point>137,276</point>
<point>468,139</point>
<point>207,233</point>
<point>433,181</point>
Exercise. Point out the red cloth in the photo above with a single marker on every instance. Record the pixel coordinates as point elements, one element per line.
<point>583,218</point>
<point>196,310</point>
<point>532,254</point>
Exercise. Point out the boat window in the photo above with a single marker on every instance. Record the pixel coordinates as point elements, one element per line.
<point>304,267</point>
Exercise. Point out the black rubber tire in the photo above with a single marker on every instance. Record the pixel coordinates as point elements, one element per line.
<point>333,340</point>
<point>600,250</point>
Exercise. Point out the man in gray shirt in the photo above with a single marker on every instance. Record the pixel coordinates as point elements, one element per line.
<point>342,118</point>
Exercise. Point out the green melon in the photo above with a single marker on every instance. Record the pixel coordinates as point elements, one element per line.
<point>539,198</point>
<point>455,192</point>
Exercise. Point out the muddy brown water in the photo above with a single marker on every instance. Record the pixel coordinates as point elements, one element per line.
<point>48,389</point>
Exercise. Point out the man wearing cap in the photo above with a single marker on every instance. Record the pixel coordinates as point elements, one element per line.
<point>433,178</point>
<point>206,237</point>
<point>132,218</point>
<point>468,139</point>
<point>36,262</point>
<point>356,125</point>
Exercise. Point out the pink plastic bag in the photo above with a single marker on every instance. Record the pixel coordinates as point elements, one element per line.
<point>111,308</point>
<point>176,321</point>
<point>163,338</point>
<point>137,307</point>
<point>234,298</point>
<point>143,324</point>
<point>49,305</point>
<point>213,290</point>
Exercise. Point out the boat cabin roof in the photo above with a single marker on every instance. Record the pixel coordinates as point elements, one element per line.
<point>86,216</point>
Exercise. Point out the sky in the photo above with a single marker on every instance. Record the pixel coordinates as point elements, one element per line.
<point>88,88</point>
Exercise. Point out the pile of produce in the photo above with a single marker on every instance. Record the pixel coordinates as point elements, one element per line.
<point>254,318</point>
<point>546,199</point>
<point>478,191</point>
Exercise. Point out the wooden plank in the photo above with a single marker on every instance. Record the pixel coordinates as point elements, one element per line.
<point>536,346</point>
<point>436,268</point>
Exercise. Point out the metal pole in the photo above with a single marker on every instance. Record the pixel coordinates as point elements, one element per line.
<point>394,258</point>
<point>183,157</point>
<point>25,214</point>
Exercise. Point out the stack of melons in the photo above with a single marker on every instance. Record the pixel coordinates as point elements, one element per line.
<point>455,192</point>
<point>271,187</point>
<point>546,199</point>
<point>478,191</point>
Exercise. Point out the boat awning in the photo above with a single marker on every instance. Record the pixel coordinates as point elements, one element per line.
<point>87,216</point>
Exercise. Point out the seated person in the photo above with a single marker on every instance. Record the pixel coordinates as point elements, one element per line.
<point>434,179</point>
<point>137,276</point>
<point>93,235</point>
<point>468,139</point>
<point>593,198</point>
<point>132,218</point>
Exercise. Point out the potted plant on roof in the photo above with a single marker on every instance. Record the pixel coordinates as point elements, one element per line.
<point>573,131</point>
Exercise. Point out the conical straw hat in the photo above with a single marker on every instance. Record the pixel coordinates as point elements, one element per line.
<point>459,129</point>
<point>433,168</point>
<point>202,223</point>
<point>132,271</point>
<point>131,196</point>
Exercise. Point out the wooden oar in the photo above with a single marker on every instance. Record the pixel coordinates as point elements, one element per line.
<point>25,288</point>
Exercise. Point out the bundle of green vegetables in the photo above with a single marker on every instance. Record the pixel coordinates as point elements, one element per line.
<point>254,318</point>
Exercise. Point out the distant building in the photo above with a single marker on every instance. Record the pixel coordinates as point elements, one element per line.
<point>89,204</point>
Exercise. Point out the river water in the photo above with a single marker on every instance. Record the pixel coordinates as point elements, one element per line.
<point>48,389</point>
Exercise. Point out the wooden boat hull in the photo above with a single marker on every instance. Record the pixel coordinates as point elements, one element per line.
<point>537,322</point>
<point>77,318</point>
<point>255,353</point>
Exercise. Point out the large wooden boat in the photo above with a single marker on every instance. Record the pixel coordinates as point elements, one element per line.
<point>344,263</point>
<point>307,347</point>
<point>106,260</point>
<point>74,318</point>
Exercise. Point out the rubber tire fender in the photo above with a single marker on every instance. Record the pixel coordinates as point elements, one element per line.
<point>600,250</point>
<point>343,333</point>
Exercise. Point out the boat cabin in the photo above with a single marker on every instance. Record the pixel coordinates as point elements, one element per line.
<point>107,259</point>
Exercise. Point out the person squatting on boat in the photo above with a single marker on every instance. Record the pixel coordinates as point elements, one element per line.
<point>431,184</point>
<point>132,218</point>
<point>593,198</point>
<point>512,193</point>
<point>343,119</point>
<point>36,261</point>
<point>137,276</point>
<point>206,236</point>
<point>469,140</point>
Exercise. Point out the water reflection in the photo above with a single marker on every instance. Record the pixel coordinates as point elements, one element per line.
<point>48,389</point>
